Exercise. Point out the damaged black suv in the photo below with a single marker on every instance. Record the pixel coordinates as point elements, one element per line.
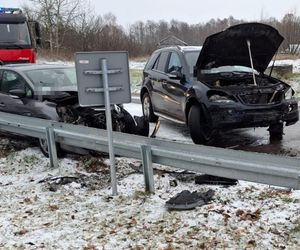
<point>221,85</point>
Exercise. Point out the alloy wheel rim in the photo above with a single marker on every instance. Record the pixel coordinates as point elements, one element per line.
<point>146,107</point>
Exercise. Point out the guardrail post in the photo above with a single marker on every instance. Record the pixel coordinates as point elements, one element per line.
<point>147,168</point>
<point>51,147</point>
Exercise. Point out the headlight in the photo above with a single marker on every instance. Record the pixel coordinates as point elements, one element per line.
<point>220,99</point>
<point>289,94</point>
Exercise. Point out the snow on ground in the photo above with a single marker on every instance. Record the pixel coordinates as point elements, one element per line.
<point>295,63</point>
<point>45,61</point>
<point>137,65</point>
<point>79,213</point>
<point>83,215</point>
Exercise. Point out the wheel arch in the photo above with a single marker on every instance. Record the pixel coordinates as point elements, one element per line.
<point>142,92</point>
<point>193,101</point>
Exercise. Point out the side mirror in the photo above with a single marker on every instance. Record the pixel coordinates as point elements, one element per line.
<point>17,93</point>
<point>176,75</point>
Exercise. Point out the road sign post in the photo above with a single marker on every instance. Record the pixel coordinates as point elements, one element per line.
<point>109,127</point>
<point>112,87</point>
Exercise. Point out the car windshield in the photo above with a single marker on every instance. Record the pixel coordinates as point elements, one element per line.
<point>53,78</point>
<point>16,34</point>
<point>228,69</point>
<point>191,58</point>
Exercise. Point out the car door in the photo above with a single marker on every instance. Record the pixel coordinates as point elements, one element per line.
<point>10,102</point>
<point>158,77</point>
<point>174,87</point>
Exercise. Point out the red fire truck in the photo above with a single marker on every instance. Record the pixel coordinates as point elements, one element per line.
<point>17,43</point>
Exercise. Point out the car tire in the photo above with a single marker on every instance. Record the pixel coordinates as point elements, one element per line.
<point>276,131</point>
<point>200,130</point>
<point>44,148</point>
<point>148,109</point>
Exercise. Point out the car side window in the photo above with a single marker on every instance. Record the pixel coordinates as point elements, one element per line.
<point>174,63</point>
<point>151,61</point>
<point>12,80</point>
<point>162,61</point>
<point>155,65</point>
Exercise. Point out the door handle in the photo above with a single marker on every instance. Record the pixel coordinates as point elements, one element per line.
<point>2,105</point>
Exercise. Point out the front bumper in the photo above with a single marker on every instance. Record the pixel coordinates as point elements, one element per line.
<point>236,115</point>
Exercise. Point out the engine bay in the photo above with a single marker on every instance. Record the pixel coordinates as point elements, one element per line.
<point>240,80</point>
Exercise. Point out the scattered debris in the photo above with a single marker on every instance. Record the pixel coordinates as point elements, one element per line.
<point>248,215</point>
<point>184,176</point>
<point>214,180</point>
<point>173,183</point>
<point>186,200</point>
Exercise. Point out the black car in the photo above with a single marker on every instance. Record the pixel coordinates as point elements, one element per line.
<point>221,85</point>
<point>50,92</point>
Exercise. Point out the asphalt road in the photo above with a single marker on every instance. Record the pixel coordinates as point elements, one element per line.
<point>255,140</point>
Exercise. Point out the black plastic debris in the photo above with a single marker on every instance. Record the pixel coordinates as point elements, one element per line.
<point>55,182</point>
<point>214,180</point>
<point>184,176</point>
<point>173,183</point>
<point>186,200</point>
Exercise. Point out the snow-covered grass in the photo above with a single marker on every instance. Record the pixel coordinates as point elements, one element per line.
<point>295,63</point>
<point>81,214</point>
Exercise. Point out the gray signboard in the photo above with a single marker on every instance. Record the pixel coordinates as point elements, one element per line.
<point>90,82</point>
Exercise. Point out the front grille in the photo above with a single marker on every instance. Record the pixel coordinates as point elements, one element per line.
<point>260,98</point>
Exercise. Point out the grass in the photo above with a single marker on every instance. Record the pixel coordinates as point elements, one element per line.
<point>296,229</point>
<point>30,159</point>
<point>287,57</point>
<point>136,78</point>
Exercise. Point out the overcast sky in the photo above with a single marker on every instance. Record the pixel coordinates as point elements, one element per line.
<point>191,11</point>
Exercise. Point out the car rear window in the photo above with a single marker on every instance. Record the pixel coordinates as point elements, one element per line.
<point>191,58</point>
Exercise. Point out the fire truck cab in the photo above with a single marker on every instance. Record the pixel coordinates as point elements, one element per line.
<point>16,39</point>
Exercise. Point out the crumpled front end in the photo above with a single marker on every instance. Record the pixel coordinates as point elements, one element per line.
<point>230,116</point>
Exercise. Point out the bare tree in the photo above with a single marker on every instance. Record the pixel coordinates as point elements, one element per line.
<point>56,17</point>
<point>70,26</point>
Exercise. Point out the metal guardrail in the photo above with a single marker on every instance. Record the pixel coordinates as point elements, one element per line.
<point>249,166</point>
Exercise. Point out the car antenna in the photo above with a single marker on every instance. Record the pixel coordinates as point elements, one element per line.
<point>251,61</point>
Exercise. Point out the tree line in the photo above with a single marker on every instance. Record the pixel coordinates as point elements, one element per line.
<point>69,26</point>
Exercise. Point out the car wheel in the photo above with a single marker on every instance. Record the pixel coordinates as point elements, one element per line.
<point>148,109</point>
<point>199,126</point>
<point>276,131</point>
<point>44,148</point>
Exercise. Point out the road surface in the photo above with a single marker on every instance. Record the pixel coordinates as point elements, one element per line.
<point>255,140</point>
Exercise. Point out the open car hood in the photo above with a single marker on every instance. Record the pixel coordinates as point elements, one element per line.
<point>229,47</point>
